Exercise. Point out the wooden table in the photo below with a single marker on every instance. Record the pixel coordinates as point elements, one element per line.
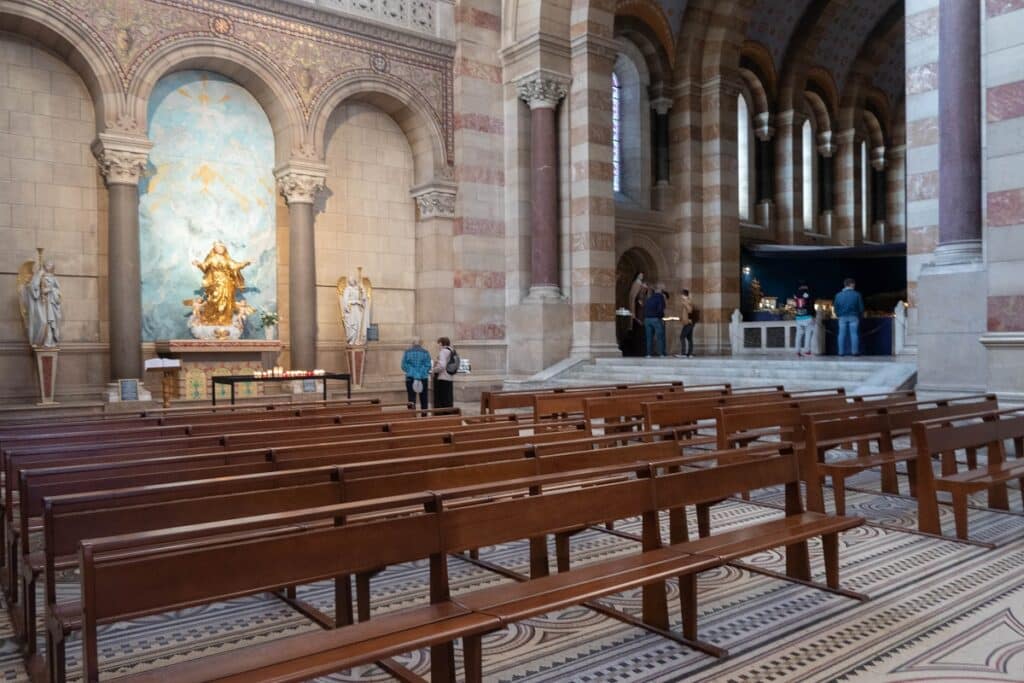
<point>231,380</point>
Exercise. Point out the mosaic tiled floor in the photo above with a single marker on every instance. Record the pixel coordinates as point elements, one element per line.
<point>940,610</point>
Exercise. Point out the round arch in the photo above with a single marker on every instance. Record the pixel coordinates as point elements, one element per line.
<point>87,56</point>
<point>254,72</point>
<point>408,109</point>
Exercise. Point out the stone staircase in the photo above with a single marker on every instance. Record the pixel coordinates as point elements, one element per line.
<point>857,375</point>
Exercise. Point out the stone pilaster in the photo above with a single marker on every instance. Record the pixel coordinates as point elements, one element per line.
<point>300,183</point>
<point>720,294</point>
<point>789,176</point>
<point>896,193</point>
<point>661,192</point>
<point>592,234</point>
<point>122,160</point>
<point>435,258</point>
<point>845,189</point>
<point>826,189</point>
<point>542,92</point>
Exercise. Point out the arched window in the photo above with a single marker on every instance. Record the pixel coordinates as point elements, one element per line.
<point>809,158</point>
<point>865,192</point>
<point>743,156</point>
<point>616,133</point>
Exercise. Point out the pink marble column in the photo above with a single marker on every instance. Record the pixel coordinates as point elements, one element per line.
<point>959,132</point>
<point>543,94</point>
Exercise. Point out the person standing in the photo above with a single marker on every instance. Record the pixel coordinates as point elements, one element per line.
<point>416,364</point>
<point>686,320</point>
<point>654,320</point>
<point>849,306</point>
<point>804,320</point>
<point>444,385</point>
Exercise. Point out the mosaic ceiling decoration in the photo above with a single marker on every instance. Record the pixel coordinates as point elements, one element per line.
<point>845,35</point>
<point>772,24</point>
<point>891,75</point>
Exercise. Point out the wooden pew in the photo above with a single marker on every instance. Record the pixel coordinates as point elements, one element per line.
<point>122,578</point>
<point>492,401</point>
<point>876,425</point>
<point>989,430</point>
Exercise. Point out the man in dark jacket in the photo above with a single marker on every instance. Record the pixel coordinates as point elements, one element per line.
<point>849,307</point>
<point>654,323</point>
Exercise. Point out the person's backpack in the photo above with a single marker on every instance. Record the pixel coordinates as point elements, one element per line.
<point>695,315</point>
<point>454,362</point>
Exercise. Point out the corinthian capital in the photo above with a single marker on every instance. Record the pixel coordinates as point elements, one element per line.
<point>122,158</point>
<point>299,183</point>
<point>540,90</point>
<point>435,200</point>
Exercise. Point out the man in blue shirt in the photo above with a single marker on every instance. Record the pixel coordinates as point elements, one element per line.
<point>848,306</point>
<point>416,363</point>
<point>654,323</point>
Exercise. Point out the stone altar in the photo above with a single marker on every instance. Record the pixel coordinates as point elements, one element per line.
<point>202,359</point>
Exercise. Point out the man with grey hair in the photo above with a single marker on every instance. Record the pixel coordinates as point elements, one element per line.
<point>416,363</point>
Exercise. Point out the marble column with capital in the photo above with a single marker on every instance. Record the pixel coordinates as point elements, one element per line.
<point>896,194</point>
<point>960,133</point>
<point>542,94</point>
<point>299,184</point>
<point>789,175</point>
<point>764,160</point>
<point>122,159</point>
<point>826,189</point>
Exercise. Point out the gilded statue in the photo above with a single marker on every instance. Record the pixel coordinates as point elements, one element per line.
<point>222,279</point>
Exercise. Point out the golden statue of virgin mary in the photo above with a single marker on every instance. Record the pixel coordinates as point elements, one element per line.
<point>222,277</point>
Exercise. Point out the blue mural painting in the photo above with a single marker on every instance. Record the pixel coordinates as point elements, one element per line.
<point>210,178</point>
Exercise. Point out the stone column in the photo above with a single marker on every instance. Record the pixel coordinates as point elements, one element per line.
<point>826,183</point>
<point>299,183</point>
<point>789,175</point>
<point>543,93</point>
<point>896,192</point>
<point>660,195</point>
<point>960,133</point>
<point>122,160</point>
<point>846,183</point>
<point>765,164</point>
<point>878,198</point>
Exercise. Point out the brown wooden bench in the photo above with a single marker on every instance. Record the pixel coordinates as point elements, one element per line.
<point>970,433</point>
<point>879,425</point>
<point>120,578</point>
<point>492,401</point>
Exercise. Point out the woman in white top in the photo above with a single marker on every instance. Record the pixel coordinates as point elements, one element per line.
<point>444,396</point>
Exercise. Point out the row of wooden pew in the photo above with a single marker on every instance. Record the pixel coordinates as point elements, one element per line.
<point>152,521</point>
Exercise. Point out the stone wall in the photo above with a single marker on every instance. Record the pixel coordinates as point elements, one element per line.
<point>1003,82</point>
<point>51,196</point>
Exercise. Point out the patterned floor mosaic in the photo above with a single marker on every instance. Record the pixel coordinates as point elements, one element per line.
<point>939,611</point>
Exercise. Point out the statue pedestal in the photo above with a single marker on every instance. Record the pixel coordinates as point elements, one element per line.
<point>202,359</point>
<point>356,360</point>
<point>46,366</point>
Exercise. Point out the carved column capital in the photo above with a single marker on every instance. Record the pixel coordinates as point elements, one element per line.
<point>434,200</point>
<point>542,90</point>
<point>122,158</point>
<point>661,105</point>
<point>826,147</point>
<point>878,158</point>
<point>300,182</point>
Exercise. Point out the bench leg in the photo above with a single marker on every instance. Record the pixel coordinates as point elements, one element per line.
<point>442,663</point>
<point>960,513</point>
<point>890,484</point>
<point>562,551</point>
<point>815,496</point>
<point>798,561</point>
<point>997,498</point>
<point>12,570</point>
<point>363,595</point>
<point>688,604</point>
<point>343,600</point>
<point>472,655</point>
<point>28,609</point>
<point>56,657</point>
<point>912,479</point>
<point>839,492</point>
<point>655,605</point>
<point>539,557</point>
<point>948,463</point>
<point>830,549</point>
<point>704,520</point>
<point>677,531</point>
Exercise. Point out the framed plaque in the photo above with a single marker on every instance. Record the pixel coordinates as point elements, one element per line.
<point>128,389</point>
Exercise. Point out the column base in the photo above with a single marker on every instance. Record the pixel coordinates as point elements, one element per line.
<point>544,293</point>
<point>764,214</point>
<point>1005,352</point>
<point>966,252</point>
<point>540,333</point>
<point>661,196</point>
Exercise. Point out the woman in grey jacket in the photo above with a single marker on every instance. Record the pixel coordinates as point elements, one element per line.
<point>444,396</point>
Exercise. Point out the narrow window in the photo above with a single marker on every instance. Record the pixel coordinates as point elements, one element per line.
<point>743,156</point>
<point>616,134</point>
<point>808,175</point>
